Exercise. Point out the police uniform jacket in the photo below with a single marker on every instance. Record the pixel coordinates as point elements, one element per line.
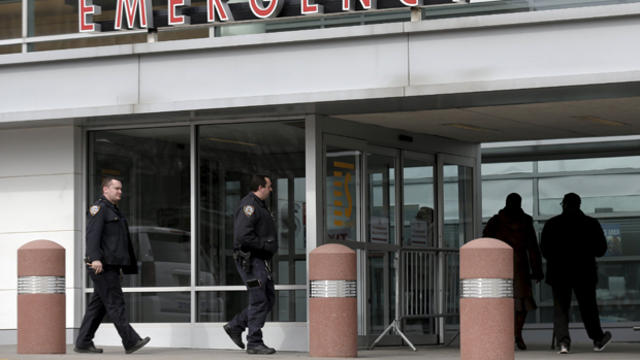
<point>570,242</point>
<point>108,238</point>
<point>254,229</point>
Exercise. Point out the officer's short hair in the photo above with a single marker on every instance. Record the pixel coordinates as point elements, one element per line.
<point>108,179</point>
<point>258,180</point>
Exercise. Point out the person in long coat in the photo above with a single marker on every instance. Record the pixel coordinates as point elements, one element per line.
<point>513,226</point>
<point>571,242</point>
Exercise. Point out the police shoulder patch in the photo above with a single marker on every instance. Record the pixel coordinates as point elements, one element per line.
<point>94,210</point>
<point>248,210</point>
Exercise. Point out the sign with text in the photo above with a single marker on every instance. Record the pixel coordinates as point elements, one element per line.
<point>138,14</point>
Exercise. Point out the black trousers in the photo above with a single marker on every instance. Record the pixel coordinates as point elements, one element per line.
<point>261,299</point>
<point>586,297</point>
<point>107,298</point>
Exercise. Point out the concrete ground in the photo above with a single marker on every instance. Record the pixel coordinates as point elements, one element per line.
<point>615,351</point>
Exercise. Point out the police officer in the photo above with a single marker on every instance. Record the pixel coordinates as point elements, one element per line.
<point>254,244</point>
<point>109,252</point>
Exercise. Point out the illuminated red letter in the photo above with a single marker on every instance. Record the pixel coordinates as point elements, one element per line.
<point>411,2</point>
<point>145,12</point>
<point>348,5</point>
<point>221,7</point>
<point>307,8</point>
<point>272,10</point>
<point>175,16</point>
<point>86,11</point>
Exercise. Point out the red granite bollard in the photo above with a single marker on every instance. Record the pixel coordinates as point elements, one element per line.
<point>486,303</point>
<point>41,298</point>
<point>333,310</point>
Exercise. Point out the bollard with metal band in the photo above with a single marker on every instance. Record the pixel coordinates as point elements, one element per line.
<point>41,298</point>
<point>486,303</point>
<point>333,310</point>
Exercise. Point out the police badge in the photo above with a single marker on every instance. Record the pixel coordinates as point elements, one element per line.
<point>248,210</point>
<point>94,210</point>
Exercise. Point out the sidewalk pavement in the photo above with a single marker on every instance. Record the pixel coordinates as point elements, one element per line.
<point>615,351</point>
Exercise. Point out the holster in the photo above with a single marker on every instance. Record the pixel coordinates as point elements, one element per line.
<point>244,259</point>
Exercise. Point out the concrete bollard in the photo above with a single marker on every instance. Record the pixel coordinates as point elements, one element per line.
<point>41,298</point>
<point>486,301</point>
<point>333,310</point>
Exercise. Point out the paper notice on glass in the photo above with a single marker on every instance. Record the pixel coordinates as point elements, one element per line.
<point>379,229</point>
<point>614,239</point>
<point>419,231</point>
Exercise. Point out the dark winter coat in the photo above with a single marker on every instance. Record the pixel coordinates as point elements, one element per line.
<point>515,228</point>
<point>570,242</point>
<point>108,238</point>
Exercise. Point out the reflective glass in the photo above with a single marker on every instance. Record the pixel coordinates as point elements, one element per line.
<point>610,163</point>
<point>458,205</point>
<point>381,199</point>
<point>342,193</point>
<point>507,168</point>
<point>156,307</point>
<point>154,167</point>
<point>380,290</point>
<point>419,215</point>
<point>10,49</point>
<point>228,155</point>
<point>606,193</point>
<point>10,19</point>
<point>88,42</point>
<point>222,306</point>
<point>494,195</point>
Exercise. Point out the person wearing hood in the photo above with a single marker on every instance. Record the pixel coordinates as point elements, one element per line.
<point>570,243</point>
<point>513,226</point>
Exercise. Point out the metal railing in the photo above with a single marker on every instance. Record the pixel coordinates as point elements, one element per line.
<point>455,8</point>
<point>427,287</point>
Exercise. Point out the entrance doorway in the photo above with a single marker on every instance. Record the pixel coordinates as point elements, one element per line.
<point>406,214</point>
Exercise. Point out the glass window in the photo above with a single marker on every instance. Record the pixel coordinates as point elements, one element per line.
<point>381,198</point>
<point>419,215</point>
<point>494,195</point>
<point>156,307</point>
<point>228,155</point>
<point>10,19</point>
<point>507,168</point>
<point>380,290</point>
<point>458,205</point>
<point>342,192</point>
<point>610,193</point>
<point>10,49</point>
<point>625,162</point>
<point>88,42</point>
<point>154,167</point>
<point>222,306</point>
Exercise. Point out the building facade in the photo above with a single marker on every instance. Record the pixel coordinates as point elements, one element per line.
<point>369,122</point>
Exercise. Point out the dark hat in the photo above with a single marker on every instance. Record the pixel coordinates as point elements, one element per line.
<point>571,200</point>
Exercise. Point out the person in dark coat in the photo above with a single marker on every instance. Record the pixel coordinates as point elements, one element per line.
<point>109,253</point>
<point>570,242</point>
<point>515,228</point>
<point>254,244</point>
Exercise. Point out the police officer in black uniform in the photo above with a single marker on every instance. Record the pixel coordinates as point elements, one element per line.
<point>109,252</point>
<point>254,244</point>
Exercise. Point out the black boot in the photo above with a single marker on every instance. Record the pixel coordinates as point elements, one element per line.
<point>260,349</point>
<point>235,336</point>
